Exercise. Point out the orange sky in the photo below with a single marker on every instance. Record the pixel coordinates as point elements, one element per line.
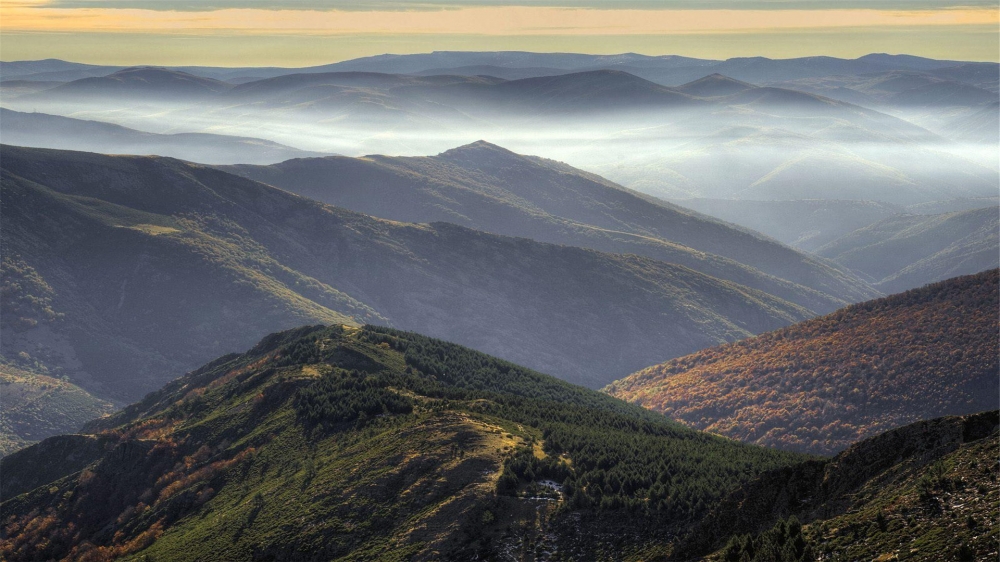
<point>35,29</point>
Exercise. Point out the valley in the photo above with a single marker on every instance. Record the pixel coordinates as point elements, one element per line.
<point>497,304</point>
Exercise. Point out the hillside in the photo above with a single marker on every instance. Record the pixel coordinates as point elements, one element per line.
<point>806,224</point>
<point>381,445</point>
<point>714,85</point>
<point>825,383</point>
<point>907,251</point>
<point>924,492</point>
<point>52,131</point>
<point>150,262</point>
<point>37,406</point>
<point>489,188</point>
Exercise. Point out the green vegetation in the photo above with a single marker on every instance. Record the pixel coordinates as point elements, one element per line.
<point>782,543</point>
<point>927,491</point>
<point>946,510</point>
<point>373,443</point>
<point>37,406</point>
<point>825,383</point>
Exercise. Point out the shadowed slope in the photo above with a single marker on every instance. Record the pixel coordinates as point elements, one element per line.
<point>486,187</point>
<point>153,261</point>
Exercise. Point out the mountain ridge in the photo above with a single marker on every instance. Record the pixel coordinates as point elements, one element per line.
<point>418,440</point>
<point>487,187</point>
<point>128,234</point>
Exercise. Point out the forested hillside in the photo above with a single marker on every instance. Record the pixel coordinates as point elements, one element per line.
<point>825,383</point>
<point>383,445</point>
<point>924,492</point>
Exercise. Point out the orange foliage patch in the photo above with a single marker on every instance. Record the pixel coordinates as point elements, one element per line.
<point>822,384</point>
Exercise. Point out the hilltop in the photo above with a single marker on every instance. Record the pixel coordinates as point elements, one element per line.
<point>825,383</point>
<point>382,445</point>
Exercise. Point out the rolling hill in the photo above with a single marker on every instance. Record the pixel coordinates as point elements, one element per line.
<point>907,251</point>
<point>923,492</point>
<point>662,140</point>
<point>383,445</point>
<point>149,262</point>
<point>823,384</point>
<point>668,70</point>
<point>52,131</point>
<point>489,188</point>
<point>140,83</point>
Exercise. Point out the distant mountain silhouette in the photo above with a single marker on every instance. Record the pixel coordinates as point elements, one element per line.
<point>53,131</point>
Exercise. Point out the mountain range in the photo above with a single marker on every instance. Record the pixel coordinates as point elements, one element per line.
<point>669,70</point>
<point>777,142</point>
<point>489,188</point>
<point>304,314</point>
<point>825,383</point>
<point>806,224</point>
<point>140,266</point>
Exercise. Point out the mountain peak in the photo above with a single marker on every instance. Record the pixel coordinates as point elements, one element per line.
<point>478,149</point>
<point>714,85</point>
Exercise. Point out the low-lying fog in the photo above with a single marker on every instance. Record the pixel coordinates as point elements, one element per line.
<point>752,151</point>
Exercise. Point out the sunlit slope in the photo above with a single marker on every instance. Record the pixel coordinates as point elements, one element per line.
<point>486,187</point>
<point>152,261</point>
<point>384,445</point>
<point>37,406</point>
<point>827,382</point>
<point>907,251</point>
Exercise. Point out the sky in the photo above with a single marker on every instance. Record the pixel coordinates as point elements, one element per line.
<point>308,32</point>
